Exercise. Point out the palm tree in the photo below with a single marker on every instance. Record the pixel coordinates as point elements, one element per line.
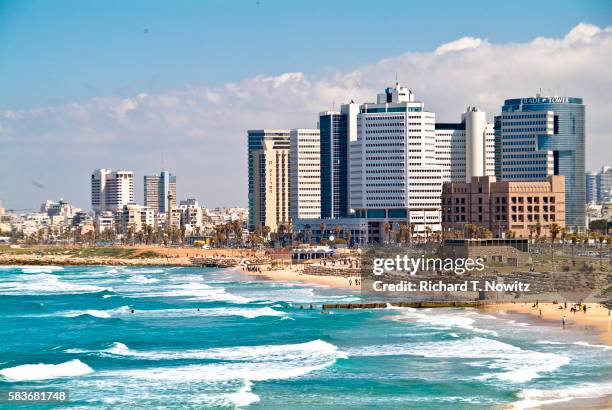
<point>348,234</point>
<point>387,227</point>
<point>411,231</point>
<point>601,239</point>
<point>554,231</point>
<point>337,228</point>
<point>322,228</point>
<point>427,233</point>
<point>538,231</point>
<point>308,233</point>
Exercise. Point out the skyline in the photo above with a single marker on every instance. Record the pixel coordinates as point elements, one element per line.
<point>200,127</point>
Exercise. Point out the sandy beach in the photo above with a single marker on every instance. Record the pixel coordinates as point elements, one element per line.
<point>597,320</point>
<point>295,275</point>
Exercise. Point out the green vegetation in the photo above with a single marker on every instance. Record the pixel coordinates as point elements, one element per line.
<point>81,252</point>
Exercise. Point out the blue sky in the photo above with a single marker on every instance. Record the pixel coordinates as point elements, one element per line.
<point>59,51</point>
<point>114,84</point>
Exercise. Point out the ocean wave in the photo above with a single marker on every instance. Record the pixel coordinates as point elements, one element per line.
<point>41,371</point>
<point>516,365</point>
<point>303,352</point>
<point>142,279</point>
<point>193,291</point>
<point>89,312</point>
<point>44,283</point>
<point>536,398</point>
<point>461,319</point>
<point>40,269</point>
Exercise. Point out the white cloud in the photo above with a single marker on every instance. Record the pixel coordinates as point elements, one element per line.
<point>464,43</point>
<point>202,130</point>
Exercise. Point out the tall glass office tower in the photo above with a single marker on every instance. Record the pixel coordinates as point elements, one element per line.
<point>334,164</point>
<point>543,136</point>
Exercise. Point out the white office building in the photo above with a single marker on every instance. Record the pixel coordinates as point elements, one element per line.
<point>111,190</point>
<point>394,174</point>
<point>466,149</point>
<point>304,174</point>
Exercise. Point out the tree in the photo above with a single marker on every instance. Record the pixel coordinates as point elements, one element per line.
<point>348,234</point>
<point>601,239</point>
<point>308,233</point>
<point>387,227</point>
<point>554,231</point>
<point>411,231</point>
<point>322,228</point>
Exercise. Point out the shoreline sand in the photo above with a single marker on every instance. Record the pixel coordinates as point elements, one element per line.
<point>596,322</point>
<point>291,275</point>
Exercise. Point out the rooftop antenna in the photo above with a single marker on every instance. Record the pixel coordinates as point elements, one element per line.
<point>396,82</point>
<point>333,104</point>
<point>162,162</point>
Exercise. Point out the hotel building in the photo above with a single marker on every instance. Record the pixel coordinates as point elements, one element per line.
<point>111,190</point>
<point>268,178</point>
<point>543,136</point>
<point>503,205</point>
<point>394,174</point>
<point>304,174</point>
<point>156,190</point>
<point>277,140</point>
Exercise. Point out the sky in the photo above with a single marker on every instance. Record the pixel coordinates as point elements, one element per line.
<point>116,84</point>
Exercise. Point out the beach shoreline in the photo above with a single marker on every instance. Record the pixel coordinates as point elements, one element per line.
<point>596,322</point>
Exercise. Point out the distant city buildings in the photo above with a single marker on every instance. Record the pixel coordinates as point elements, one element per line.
<point>156,191</point>
<point>382,166</point>
<point>111,190</point>
<point>542,136</point>
<point>599,186</point>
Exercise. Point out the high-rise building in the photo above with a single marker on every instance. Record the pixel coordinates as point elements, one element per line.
<point>604,185</point>
<point>156,190</point>
<point>466,149</point>
<point>268,157</point>
<point>590,187</point>
<point>111,190</point>
<point>338,129</point>
<point>304,174</point>
<point>395,178</point>
<point>544,136</point>
<point>599,186</point>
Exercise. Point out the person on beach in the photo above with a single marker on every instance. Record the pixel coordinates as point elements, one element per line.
<point>584,308</point>
<point>350,282</point>
<point>563,321</point>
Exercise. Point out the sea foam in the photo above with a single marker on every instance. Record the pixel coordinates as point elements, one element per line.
<point>41,371</point>
<point>517,365</point>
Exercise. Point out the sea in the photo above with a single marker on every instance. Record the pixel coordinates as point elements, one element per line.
<point>178,337</point>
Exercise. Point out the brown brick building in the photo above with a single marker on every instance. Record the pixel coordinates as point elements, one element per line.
<point>504,205</point>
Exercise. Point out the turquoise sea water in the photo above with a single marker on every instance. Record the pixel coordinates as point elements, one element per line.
<point>201,338</point>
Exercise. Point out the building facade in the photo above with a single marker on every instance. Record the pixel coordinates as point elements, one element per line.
<point>466,149</point>
<point>337,130</point>
<point>394,174</point>
<point>156,191</point>
<point>544,136</point>
<point>111,190</point>
<point>599,186</point>
<point>590,188</point>
<point>269,199</point>
<point>279,140</point>
<point>304,174</point>
<point>502,206</point>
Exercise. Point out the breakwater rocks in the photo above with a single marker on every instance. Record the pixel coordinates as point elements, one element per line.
<point>416,305</point>
<point>342,271</point>
<point>215,262</point>
<point>62,260</point>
